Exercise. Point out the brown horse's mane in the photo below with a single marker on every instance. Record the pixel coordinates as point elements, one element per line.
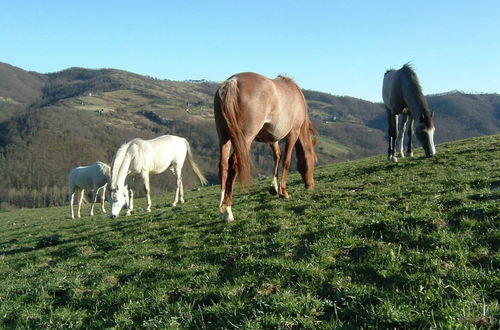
<point>285,78</point>
<point>312,131</point>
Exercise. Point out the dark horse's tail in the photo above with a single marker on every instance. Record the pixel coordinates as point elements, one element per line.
<point>228,96</point>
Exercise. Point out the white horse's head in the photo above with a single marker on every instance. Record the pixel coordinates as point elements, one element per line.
<point>118,199</point>
<point>425,135</point>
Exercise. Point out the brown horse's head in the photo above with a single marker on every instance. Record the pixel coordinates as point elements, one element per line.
<point>306,157</point>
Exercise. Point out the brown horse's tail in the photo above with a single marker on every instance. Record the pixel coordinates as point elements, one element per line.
<point>228,95</point>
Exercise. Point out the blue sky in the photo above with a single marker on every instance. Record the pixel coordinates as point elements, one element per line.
<point>338,47</point>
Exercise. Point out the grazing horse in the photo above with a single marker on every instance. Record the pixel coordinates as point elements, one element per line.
<point>251,107</point>
<point>95,177</point>
<point>144,157</point>
<point>402,94</point>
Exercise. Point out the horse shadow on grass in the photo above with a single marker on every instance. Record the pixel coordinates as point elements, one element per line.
<point>57,240</point>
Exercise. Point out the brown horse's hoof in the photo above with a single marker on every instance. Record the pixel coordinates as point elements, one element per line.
<point>273,191</point>
<point>284,195</point>
<point>227,215</point>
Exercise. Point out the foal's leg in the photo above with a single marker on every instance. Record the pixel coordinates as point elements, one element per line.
<point>71,196</point>
<point>290,143</point>
<point>95,192</point>
<point>401,136</point>
<point>273,190</point>
<point>409,151</point>
<point>80,202</point>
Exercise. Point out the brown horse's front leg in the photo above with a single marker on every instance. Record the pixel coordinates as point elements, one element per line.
<point>273,190</point>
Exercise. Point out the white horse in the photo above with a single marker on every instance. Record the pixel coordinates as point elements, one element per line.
<point>95,177</point>
<point>144,157</point>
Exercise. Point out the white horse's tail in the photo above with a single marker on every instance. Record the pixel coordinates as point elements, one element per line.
<point>195,167</point>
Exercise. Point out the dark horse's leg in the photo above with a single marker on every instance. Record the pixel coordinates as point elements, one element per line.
<point>273,190</point>
<point>393,132</point>
<point>409,151</point>
<point>401,135</point>
<point>227,175</point>
<point>291,139</point>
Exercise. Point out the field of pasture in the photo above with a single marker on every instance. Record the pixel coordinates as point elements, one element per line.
<point>413,244</point>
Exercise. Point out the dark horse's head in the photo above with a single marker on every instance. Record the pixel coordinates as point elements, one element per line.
<point>306,157</point>
<point>425,134</point>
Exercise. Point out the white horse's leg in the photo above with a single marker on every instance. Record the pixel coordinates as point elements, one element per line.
<point>145,178</point>
<point>80,202</point>
<point>103,198</point>
<point>130,201</point>
<point>177,188</point>
<point>179,191</point>
<point>71,196</point>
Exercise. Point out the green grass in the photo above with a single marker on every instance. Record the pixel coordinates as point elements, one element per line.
<point>376,245</point>
<point>329,147</point>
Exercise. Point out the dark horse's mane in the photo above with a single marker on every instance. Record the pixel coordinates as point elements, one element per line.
<point>407,69</point>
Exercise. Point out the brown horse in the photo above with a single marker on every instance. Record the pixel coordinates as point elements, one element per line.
<point>251,107</point>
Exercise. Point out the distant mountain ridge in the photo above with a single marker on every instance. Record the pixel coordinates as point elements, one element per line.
<point>50,123</point>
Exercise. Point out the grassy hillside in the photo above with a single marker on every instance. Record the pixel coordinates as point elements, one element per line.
<point>51,123</point>
<point>408,245</point>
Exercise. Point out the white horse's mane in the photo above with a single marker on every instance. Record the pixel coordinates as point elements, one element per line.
<point>118,161</point>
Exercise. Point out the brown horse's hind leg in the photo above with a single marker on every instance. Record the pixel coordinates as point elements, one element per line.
<point>273,190</point>
<point>290,143</point>
<point>227,175</point>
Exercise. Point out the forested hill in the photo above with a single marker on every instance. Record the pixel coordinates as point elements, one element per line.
<point>50,123</point>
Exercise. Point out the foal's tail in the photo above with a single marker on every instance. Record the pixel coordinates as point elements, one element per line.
<point>195,167</point>
<point>228,96</point>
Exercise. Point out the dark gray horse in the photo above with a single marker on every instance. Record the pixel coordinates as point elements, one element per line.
<point>402,94</point>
